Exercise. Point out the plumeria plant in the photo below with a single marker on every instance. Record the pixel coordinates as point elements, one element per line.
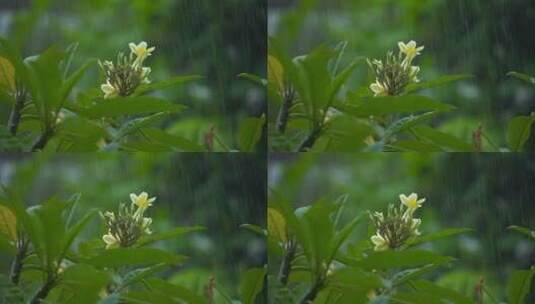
<point>52,265</point>
<point>49,111</point>
<point>315,259</point>
<point>317,110</point>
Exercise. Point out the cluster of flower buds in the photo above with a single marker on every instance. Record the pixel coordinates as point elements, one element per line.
<point>396,72</point>
<point>399,225</point>
<point>127,225</point>
<point>127,73</point>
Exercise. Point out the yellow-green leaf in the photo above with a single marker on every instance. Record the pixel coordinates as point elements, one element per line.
<point>7,74</point>
<point>8,223</point>
<point>275,72</point>
<point>276,225</point>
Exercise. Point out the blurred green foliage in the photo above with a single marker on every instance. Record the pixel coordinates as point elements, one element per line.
<point>217,40</point>
<point>216,191</point>
<point>484,38</point>
<point>485,192</point>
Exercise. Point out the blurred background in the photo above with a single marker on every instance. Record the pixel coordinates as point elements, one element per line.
<point>485,38</point>
<point>485,192</point>
<point>215,39</point>
<point>217,191</point>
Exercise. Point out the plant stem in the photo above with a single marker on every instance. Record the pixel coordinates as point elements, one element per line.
<point>312,293</point>
<point>310,140</point>
<point>43,292</point>
<point>42,140</point>
<point>286,265</point>
<point>284,111</point>
<point>16,266</point>
<point>16,112</point>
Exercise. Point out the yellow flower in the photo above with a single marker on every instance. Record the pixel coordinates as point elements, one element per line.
<point>378,89</point>
<point>411,202</point>
<point>109,90</point>
<point>110,240</point>
<point>140,51</point>
<point>381,244</point>
<point>410,49</point>
<point>142,200</point>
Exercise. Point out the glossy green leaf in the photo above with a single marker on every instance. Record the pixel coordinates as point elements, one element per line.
<point>73,232</point>
<point>84,283</point>
<point>173,81</point>
<point>443,140</point>
<point>251,285</point>
<point>175,291</point>
<point>439,235</point>
<point>73,80</point>
<point>254,78</point>
<point>519,285</point>
<point>519,131</point>
<point>174,142</point>
<point>251,132</point>
<point>524,77</point>
<point>376,106</point>
<point>173,233</point>
<point>523,230</point>
<point>400,259</point>
<point>440,81</point>
<point>123,106</point>
<point>134,256</point>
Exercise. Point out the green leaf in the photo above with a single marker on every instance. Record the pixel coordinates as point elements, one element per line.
<point>147,297</point>
<point>122,106</point>
<point>175,291</point>
<point>138,275</point>
<point>73,80</point>
<point>256,229</point>
<point>442,80</point>
<point>429,293</point>
<point>519,286</point>
<point>173,81</point>
<point>342,235</point>
<point>519,131</point>
<point>413,145</point>
<point>176,232</point>
<point>252,284</point>
<point>75,231</point>
<point>408,122</point>
<point>138,123</point>
<point>526,231</point>
<point>438,235</point>
<point>77,134</point>
<point>256,79</point>
<point>172,141</point>
<point>341,78</point>
<point>134,256</point>
<point>352,278</point>
<point>523,77</point>
<point>84,283</point>
<point>441,139</point>
<point>376,106</point>
<point>251,132</point>
<point>276,225</point>
<point>400,259</point>
<point>8,223</point>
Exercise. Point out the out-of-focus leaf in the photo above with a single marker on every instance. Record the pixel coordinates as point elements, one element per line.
<point>400,259</point>
<point>256,229</point>
<point>134,256</point>
<point>253,78</point>
<point>8,223</point>
<point>413,145</point>
<point>376,106</point>
<point>405,123</point>
<point>176,291</point>
<point>442,80</point>
<point>174,142</point>
<point>122,106</point>
<point>73,232</point>
<point>7,74</point>
<point>275,72</point>
<point>523,230</point>
<point>441,139</point>
<point>77,134</point>
<point>251,132</point>
<point>138,275</point>
<point>430,293</point>
<point>519,286</point>
<point>176,232</point>
<point>173,81</point>
<point>524,77</point>
<point>251,284</point>
<point>439,235</point>
<point>276,225</point>
<point>519,131</point>
<point>147,297</point>
<point>84,283</point>
<point>73,79</point>
<point>139,123</point>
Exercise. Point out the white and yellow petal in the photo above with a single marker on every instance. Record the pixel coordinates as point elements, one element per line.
<point>109,90</point>
<point>411,202</point>
<point>378,89</point>
<point>381,244</point>
<point>142,200</point>
<point>410,49</point>
<point>110,240</point>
